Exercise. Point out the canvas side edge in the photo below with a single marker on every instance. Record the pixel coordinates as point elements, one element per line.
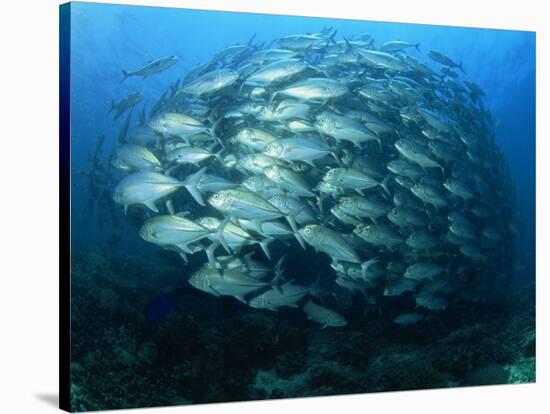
<point>64,207</point>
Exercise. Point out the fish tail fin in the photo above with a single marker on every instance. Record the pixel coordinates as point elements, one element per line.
<point>125,75</point>
<point>221,237</point>
<point>213,132</point>
<point>264,244</point>
<point>272,98</point>
<point>327,75</point>
<point>279,265</point>
<point>417,47</point>
<point>384,185</point>
<point>348,44</point>
<point>173,90</point>
<point>315,285</point>
<point>292,222</point>
<point>365,267</point>
<point>170,207</point>
<point>113,107</point>
<point>379,143</point>
<point>320,203</point>
<point>278,277</point>
<point>312,204</point>
<point>241,88</point>
<point>171,170</point>
<point>142,117</point>
<point>300,240</point>
<point>291,217</point>
<point>191,183</point>
<point>331,38</point>
<point>218,155</point>
<point>210,253</point>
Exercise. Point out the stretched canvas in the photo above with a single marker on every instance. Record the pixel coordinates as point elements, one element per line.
<point>261,206</point>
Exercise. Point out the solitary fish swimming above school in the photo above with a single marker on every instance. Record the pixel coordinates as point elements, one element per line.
<point>151,68</point>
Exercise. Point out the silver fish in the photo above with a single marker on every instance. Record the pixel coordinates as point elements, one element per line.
<point>210,82</point>
<point>423,270</point>
<point>145,188</point>
<point>131,157</point>
<point>379,235</point>
<point>173,231</point>
<point>314,89</point>
<point>398,45</point>
<point>152,67</point>
<point>324,316</point>
<point>289,294</point>
<point>344,129</point>
<point>234,283</point>
<point>406,319</point>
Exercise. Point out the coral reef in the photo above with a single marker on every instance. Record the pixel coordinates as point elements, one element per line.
<point>212,349</point>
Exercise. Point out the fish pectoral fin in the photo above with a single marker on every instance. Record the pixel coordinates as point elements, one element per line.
<point>150,204</point>
<point>365,266</point>
<point>170,206</point>
<point>214,291</point>
<point>276,281</point>
<point>255,224</point>
<point>191,185</point>
<point>384,185</point>
<point>184,247</point>
<point>210,250</point>
<point>291,218</point>
<point>338,160</point>
<point>300,240</point>
<point>220,236</point>
<point>264,244</point>
<point>241,299</point>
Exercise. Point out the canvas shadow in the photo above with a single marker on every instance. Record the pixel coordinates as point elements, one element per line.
<point>50,399</point>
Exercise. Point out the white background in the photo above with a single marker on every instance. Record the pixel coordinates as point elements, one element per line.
<point>29,206</point>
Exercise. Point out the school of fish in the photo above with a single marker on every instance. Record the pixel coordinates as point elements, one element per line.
<point>383,162</point>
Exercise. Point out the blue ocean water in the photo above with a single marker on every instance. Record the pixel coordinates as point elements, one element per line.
<point>107,39</point>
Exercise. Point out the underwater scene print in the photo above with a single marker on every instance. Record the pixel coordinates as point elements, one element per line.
<point>272,207</point>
